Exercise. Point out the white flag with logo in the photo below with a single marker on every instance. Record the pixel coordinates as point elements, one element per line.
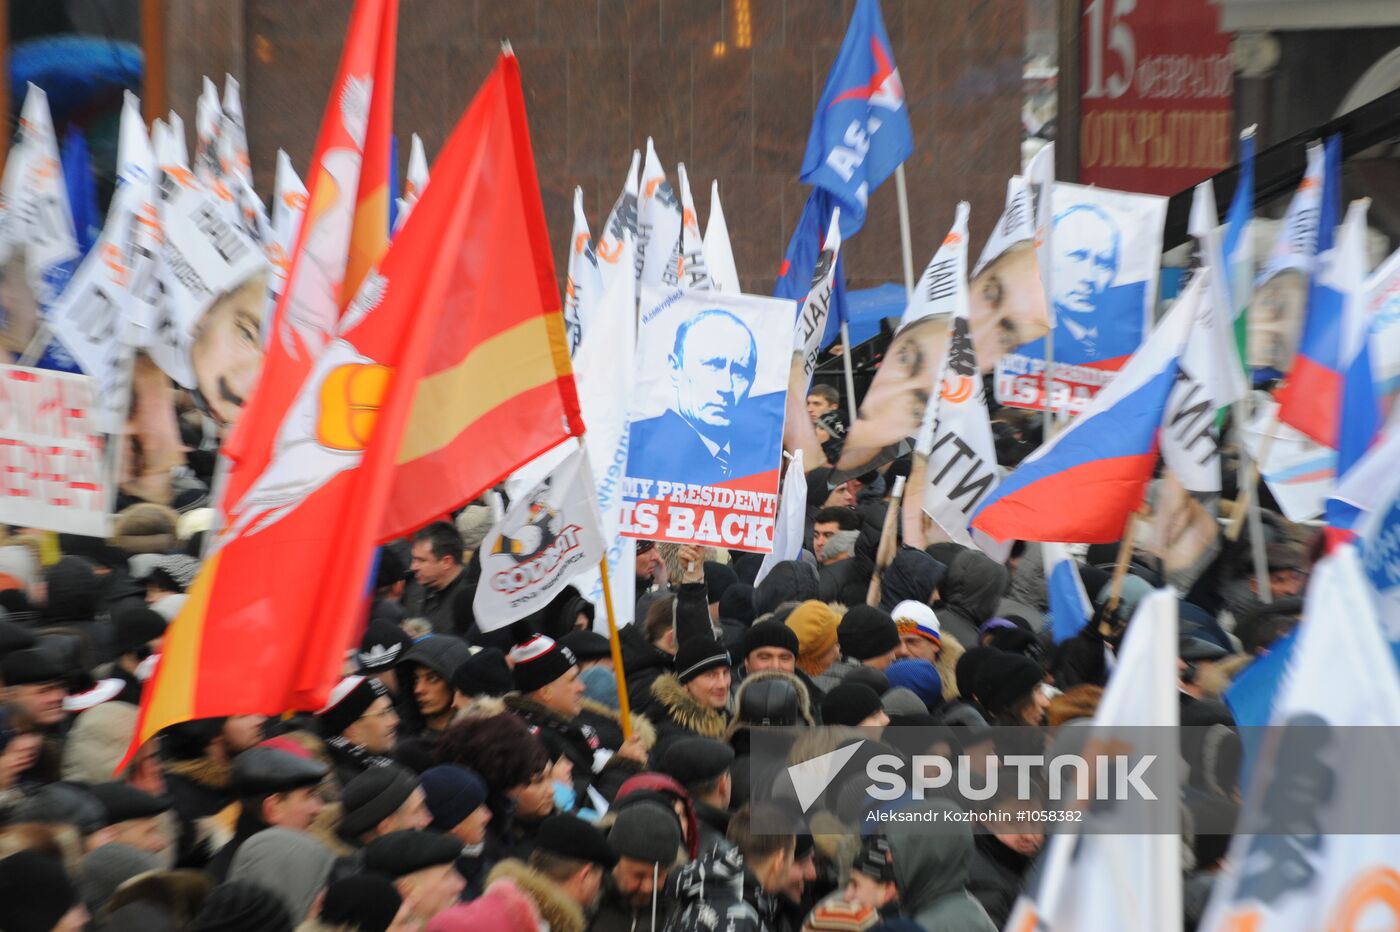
<point>1190,440</point>
<point>694,269</point>
<point>232,143</point>
<point>1295,248</point>
<point>288,207</point>
<point>208,115</point>
<point>89,316</point>
<point>1286,869</point>
<point>962,462</point>
<point>1105,880</point>
<point>658,226</point>
<point>1224,378</point>
<point>415,180</point>
<point>621,219</point>
<point>545,538</point>
<point>584,285</point>
<point>37,219</point>
<point>798,431</point>
<point>719,252</point>
<point>792,518</point>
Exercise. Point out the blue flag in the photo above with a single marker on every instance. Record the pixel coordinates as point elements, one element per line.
<point>795,277</point>
<point>82,189</point>
<point>393,183</point>
<point>860,133</point>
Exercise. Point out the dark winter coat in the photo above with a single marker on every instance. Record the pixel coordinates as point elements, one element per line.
<point>996,876</point>
<point>615,914</point>
<point>718,894</point>
<point>971,592</point>
<point>676,714</point>
<point>436,605</point>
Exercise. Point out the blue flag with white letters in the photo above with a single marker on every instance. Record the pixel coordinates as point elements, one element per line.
<point>860,133</point>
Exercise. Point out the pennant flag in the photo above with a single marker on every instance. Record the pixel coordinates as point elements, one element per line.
<point>163,143</point>
<point>1238,250</point>
<point>1081,486</point>
<point>1098,876</point>
<point>694,270</point>
<point>288,209</point>
<point>807,243</point>
<point>1311,397</point>
<point>1359,409</point>
<point>1300,474</point>
<point>346,445</point>
<point>89,316</point>
<point>180,154</point>
<point>792,517</point>
<point>1215,354</point>
<point>1207,380</point>
<point>1006,292</point>
<point>207,118</point>
<point>860,133</point>
<point>1382,303</point>
<point>1070,608</point>
<point>622,221</point>
<point>82,189</point>
<point>545,538</point>
<point>415,180</point>
<point>658,226</point>
<point>349,163</point>
<point>585,282</point>
<point>232,143</point>
<point>812,319</point>
<point>1283,873</point>
<point>1295,248</point>
<point>957,440</point>
<point>1280,290</point>
<point>719,254</point>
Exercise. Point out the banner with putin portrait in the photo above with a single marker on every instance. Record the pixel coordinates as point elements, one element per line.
<point>1105,250</point>
<point>706,425</point>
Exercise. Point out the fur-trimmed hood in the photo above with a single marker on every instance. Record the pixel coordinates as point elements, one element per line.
<point>642,728</point>
<point>562,913</point>
<point>804,701</point>
<point>672,699</point>
<point>204,771</point>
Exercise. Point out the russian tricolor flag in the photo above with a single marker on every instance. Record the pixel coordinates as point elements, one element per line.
<point>1081,486</point>
<point>1070,608</point>
<point>1359,410</point>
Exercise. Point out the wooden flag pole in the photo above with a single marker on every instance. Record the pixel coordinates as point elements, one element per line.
<point>624,708</point>
<point>1120,569</point>
<point>884,553</point>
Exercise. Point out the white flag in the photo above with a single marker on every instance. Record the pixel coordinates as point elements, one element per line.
<point>1190,440</point>
<point>180,153</point>
<point>962,462</point>
<point>621,219</point>
<point>544,539</point>
<point>89,317</point>
<point>1224,379</point>
<point>415,180</point>
<point>1296,246</point>
<point>1102,879</point>
<point>694,270</point>
<point>288,208</point>
<point>1286,870</point>
<point>1300,473</point>
<point>658,226</point>
<point>584,285</point>
<point>207,116</point>
<point>232,143</point>
<point>37,219</point>
<point>792,518</point>
<point>719,253</point>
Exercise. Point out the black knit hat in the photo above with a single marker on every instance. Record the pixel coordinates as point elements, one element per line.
<point>349,700</point>
<point>365,901</point>
<point>453,793</point>
<point>383,645</point>
<point>484,673</point>
<point>699,655</point>
<point>849,704</point>
<point>372,797</point>
<point>124,802</point>
<point>718,578</point>
<point>646,832</point>
<point>240,906</point>
<point>1004,679</point>
<point>867,632</point>
<point>737,603</point>
<point>135,627</point>
<point>400,853</point>
<point>587,645</point>
<point>875,859</point>
<point>769,634</point>
<point>35,892</point>
<point>696,760</point>
<point>29,666</point>
<point>539,662</point>
<point>571,837</point>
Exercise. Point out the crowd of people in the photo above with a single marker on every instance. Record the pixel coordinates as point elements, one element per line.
<point>467,779</point>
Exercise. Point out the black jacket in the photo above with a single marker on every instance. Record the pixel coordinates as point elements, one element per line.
<point>996,876</point>
<point>435,604</point>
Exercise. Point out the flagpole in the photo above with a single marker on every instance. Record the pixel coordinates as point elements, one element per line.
<point>905,239</point>
<point>850,376</point>
<point>624,708</point>
<point>884,553</point>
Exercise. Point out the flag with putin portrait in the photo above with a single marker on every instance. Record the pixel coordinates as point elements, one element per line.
<point>1104,251</point>
<point>706,424</point>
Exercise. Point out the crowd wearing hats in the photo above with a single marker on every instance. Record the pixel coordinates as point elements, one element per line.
<point>456,778</point>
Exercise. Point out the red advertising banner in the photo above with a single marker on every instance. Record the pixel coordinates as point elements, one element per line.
<point>1156,95</point>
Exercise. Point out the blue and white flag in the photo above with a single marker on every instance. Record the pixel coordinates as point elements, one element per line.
<point>860,132</point>
<point>806,245</point>
<point>792,516</point>
<point>1359,417</point>
<point>1070,608</point>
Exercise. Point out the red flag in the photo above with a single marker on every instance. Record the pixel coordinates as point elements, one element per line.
<point>267,622</point>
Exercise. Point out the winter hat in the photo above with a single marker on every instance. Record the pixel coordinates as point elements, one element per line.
<point>646,832</point>
<point>871,677</point>
<point>473,524</point>
<point>905,704</point>
<point>240,906</point>
<point>587,645</point>
<point>104,869</point>
<point>769,634</point>
<point>372,797</point>
<point>390,569</point>
<point>1003,679</point>
<point>867,632</point>
<point>835,914</point>
<point>383,645</point>
<point>600,686</point>
<point>572,837</point>
<point>30,666</point>
<point>146,528</point>
<point>699,655</point>
<point>34,892</point>
<point>912,617</point>
<point>918,676</point>
<point>875,859</point>
<point>787,581</point>
<point>539,662</point>
<point>269,768</point>
<point>769,698</point>
<point>849,704</point>
<point>124,802</point>
<point>718,578</point>
<point>405,852</point>
<point>696,760</point>
<point>453,793</point>
<point>366,901</point>
<point>737,603</point>
<point>995,624</point>
<point>294,865</point>
<point>175,572</point>
<point>968,670</point>
<point>135,627</point>
<point>484,673</point>
<point>65,803</point>
<point>502,908</point>
<point>349,700</point>
<point>840,544</point>
<point>815,625</point>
